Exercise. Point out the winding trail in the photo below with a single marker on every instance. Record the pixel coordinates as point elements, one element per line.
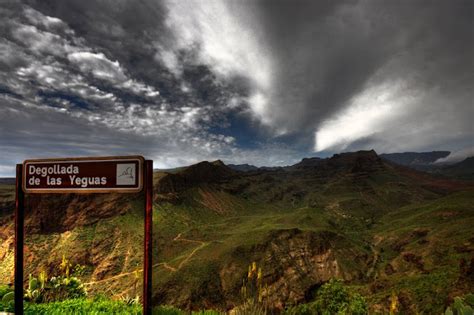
<point>165,265</point>
<point>372,273</point>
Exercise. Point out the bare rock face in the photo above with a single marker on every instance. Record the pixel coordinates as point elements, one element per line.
<point>303,262</point>
<point>359,164</point>
<point>295,263</point>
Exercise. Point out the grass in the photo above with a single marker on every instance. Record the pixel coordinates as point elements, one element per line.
<point>83,307</point>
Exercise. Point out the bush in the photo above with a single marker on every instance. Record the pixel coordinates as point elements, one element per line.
<point>7,297</point>
<point>4,289</point>
<point>332,298</point>
<point>57,288</point>
<point>54,289</point>
<point>170,310</point>
<point>461,306</point>
<point>167,310</point>
<point>252,293</point>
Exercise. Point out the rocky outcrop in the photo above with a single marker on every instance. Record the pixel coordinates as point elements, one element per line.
<point>294,264</point>
<point>307,163</point>
<point>203,172</point>
<point>356,162</point>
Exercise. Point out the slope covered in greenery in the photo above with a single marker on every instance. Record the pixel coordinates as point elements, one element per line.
<point>397,237</point>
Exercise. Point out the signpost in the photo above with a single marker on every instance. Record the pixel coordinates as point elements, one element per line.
<point>129,174</point>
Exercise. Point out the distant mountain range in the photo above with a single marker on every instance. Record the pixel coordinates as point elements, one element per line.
<point>422,161</point>
<point>425,161</point>
<point>7,181</point>
<point>415,159</point>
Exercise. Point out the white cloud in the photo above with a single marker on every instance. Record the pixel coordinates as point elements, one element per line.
<point>367,114</point>
<point>103,68</point>
<point>41,42</point>
<point>98,64</point>
<point>170,60</point>
<point>457,156</point>
<point>157,132</point>
<point>226,42</point>
<point>39,19</point>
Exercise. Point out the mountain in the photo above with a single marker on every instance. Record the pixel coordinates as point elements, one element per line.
<point>307,162</point>
<point>415,159</point>
<point>424,161</point>
<point>193,175</point>
<point>462,170</point>
<point>381,227</point>
<point>243,167</point>
<point>7,181</point>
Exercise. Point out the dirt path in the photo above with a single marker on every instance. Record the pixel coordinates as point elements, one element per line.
<point>165,265</point>
<point>375,256</point>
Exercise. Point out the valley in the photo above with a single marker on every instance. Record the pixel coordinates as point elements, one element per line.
<point>385,230</point>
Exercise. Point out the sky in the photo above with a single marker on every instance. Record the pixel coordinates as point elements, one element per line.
<point>264,82</point>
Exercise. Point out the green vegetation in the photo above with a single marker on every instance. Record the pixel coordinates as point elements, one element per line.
<point>170,310</point>
<point>332,298</point>
<point>80,307</point>
<point>6,298</point>
<point>253,293</point>
<point>402,243</point>
<point>461,306</point>
<point>65,285</point>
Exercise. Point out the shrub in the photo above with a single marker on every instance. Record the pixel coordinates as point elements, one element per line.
<point>4,289</point>
<point>57,288</point>
<point>167,310</point>
<point>170,310</point>
<point>332,298</point>
<point>252,293</point>
<point>7,297</point>
<point>461,306</point>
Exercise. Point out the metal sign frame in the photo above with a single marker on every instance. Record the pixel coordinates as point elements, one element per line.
<point>146,185</point>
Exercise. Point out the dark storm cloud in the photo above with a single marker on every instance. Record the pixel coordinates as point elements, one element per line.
<point>328,50</point>
<point>176,80</point>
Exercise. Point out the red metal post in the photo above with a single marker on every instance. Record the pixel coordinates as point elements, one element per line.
<point>147,268</point>
<point>19,239</point>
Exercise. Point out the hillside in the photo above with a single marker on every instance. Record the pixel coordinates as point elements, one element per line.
<point>462,170</point>
<point>425,161</point>
<point>415,159</point>
<point>383,228</point>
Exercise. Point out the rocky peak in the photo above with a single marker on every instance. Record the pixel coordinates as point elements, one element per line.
<point>202,172</point>
<point>360,162</point>
<point>308,162</point>
<point>218,163</point>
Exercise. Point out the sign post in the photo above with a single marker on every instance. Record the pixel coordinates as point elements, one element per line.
<point>130,174</point>
<point>147,266</point>
<point>19,239</point>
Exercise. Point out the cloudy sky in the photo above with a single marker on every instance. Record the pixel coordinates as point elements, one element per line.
<point>260,82</point>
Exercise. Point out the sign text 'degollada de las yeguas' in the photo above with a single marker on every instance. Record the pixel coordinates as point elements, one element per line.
<point>83,175</point>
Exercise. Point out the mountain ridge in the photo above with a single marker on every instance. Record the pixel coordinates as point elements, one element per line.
<point>375,224</point>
